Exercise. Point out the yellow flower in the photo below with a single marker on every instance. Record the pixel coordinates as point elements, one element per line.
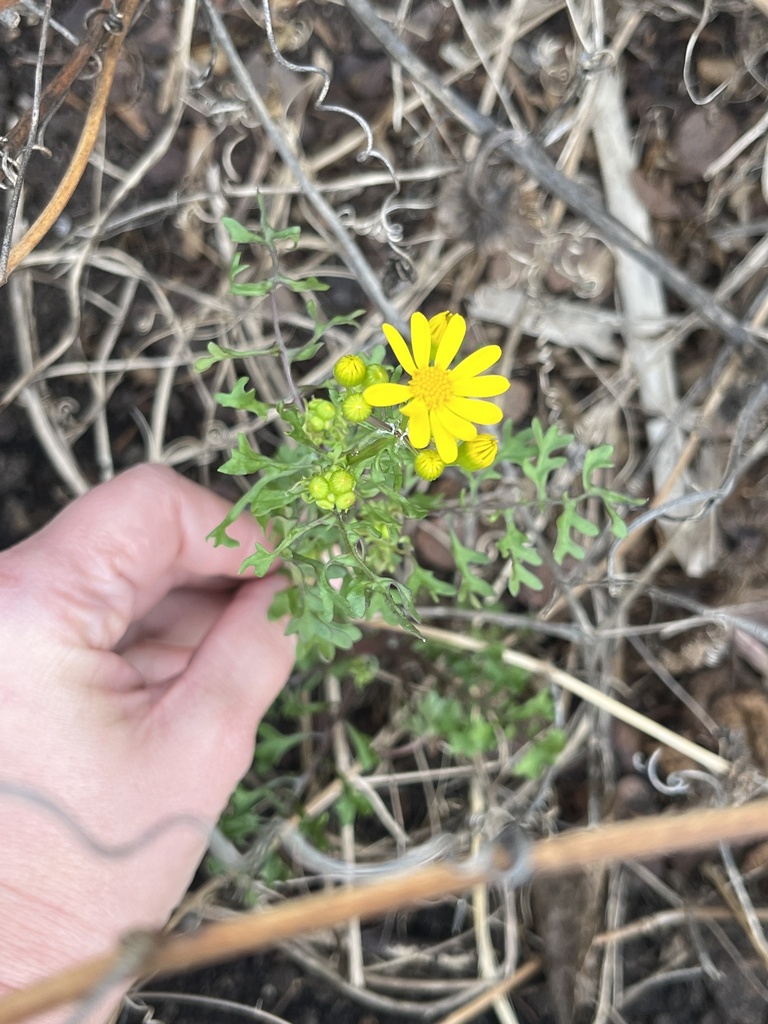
<point>440,403</point>
<point>478,453</point>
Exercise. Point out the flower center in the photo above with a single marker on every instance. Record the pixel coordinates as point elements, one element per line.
<point>432,384</point>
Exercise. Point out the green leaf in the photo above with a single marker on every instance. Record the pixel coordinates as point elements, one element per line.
<point>272,746</point>
<point>596,458</point>
<point>364,752</point>
<point>289,234</point>
<point>219,535</point>
<point>424,579</point>
<point>471,587</point>
<point>261,561</point>
<point>446,718</point>
<point>539,468</point>
<point>515,448</point>
<point>361,668</point>
<point>244,460</point>
<point>618,526</point>
<point>217,353</point>
<point>542,753</point>
<point>305,284</point>
<point>299,355</point>
<point>516,546</point>
<point>309,620</point>
<point>240,398</point>
<point>254,289</point>
<point>240,234</point>
<point>570,521</point>
<point>351,803</point>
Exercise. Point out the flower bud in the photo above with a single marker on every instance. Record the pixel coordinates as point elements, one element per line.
<point>478,453</point>
<point>323,422</point>
<point>318,488</point>
<point>376,374</point>
<point>349,371</point>
<point>428,464</point>
<point>345,501</point>
<point>341,482</point>
<point>437,326</point>
<point>320,414</point>
<point>355,408</point>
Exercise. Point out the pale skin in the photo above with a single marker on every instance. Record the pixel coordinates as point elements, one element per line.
<point>135,666</point>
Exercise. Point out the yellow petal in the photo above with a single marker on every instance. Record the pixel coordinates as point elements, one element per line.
<point>418,424</point>
<point>387,394</point>
<point>444,442</point>
<point>480,387</point>
<point>421,339</point>
<point>476,362</point>
<point>450,343</point>
<point>476,412</point>
<point>399,347</point>
<point>456,425</point>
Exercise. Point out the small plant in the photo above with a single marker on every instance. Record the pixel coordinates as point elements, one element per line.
<point>337,496</point>
<point>483,701</point>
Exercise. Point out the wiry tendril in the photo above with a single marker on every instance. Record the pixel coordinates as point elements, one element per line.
<point>677,783</point>
<point>393,232</point>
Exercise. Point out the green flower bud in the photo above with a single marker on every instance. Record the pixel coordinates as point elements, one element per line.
<point>341,482</point>
<point>428,464</point>
<point>326,504</point>
<point>345,501</point>
<point>323,421</point>
<point>376,374</point>
<point>349,371</point>
<point>322,408</point>
<point>478,453</point>
<point>318,488</point>
<point>355,408</point>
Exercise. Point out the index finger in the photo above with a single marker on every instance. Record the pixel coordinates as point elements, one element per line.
<point>112,554</point>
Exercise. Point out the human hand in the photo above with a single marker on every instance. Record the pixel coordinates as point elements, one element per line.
<point>134,672</point>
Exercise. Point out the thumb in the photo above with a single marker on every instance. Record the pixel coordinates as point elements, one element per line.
<point>230,682</point>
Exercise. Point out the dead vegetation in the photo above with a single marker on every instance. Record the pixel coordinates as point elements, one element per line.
<point>586,180</point>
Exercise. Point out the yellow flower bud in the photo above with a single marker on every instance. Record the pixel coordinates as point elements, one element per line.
<point>437,326</point>
<point>349,371</point>
<point>478,453</point>
<point>428,464</point>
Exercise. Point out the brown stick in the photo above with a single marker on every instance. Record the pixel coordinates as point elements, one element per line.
<point>649,837</point>
<point>85,145</point>
<point>619,841</point>
<point>251,932</point>
<point>59,86</point>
